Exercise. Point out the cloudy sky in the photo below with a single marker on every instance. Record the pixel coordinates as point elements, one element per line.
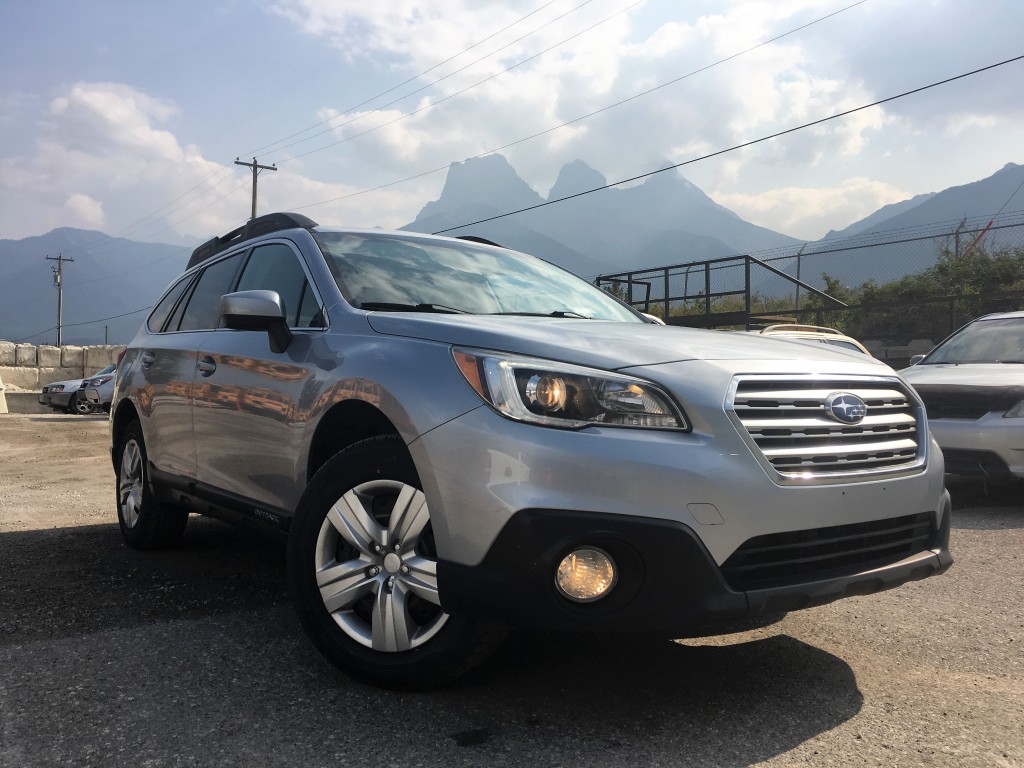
<point>127,116</point>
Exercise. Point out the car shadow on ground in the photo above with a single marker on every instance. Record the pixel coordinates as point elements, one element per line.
<point>66,581</point>
<point>197,646</point>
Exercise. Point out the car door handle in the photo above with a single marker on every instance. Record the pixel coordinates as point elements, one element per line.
<point>206,366</point>
<point>148,358</point>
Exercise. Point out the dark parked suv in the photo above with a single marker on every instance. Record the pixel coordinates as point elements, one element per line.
<point>458,438</point>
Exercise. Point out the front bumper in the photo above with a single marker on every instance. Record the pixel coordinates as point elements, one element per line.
<point>56,399</point>
<point>667,583</point>
<point>986,447</point>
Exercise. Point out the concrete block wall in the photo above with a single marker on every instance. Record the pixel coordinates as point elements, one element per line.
<point>31,367</point>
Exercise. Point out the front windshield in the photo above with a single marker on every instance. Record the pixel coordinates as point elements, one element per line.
<point>985,341</point>
<point>397,272</point>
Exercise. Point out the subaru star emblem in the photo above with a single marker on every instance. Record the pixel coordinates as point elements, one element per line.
<point>846,408</point>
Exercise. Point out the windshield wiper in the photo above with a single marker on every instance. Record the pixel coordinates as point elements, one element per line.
<point>388,306</point>
<point>555,313</point>
<point>1012,362</point>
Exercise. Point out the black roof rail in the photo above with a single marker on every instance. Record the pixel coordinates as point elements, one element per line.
<point>261,225</point>
<point>476,239</point>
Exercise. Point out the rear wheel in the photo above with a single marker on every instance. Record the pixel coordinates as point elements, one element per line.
<point>145,522</point>
<point>363,565</point>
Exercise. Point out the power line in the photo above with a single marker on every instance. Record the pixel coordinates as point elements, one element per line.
<point>583,117</point>
<point>139,223</point>
<point>463,90</point>
<point>735,147</point>
<point>89,322</point>
<point>411,79</point>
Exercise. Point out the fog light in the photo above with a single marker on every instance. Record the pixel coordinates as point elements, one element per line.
<point>585,575</point>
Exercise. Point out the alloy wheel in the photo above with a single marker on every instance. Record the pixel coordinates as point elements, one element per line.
<point>130,483</point>
<point>376,567</point>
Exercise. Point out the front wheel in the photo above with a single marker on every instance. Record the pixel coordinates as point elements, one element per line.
<point>80,405</point>
<point>363,570</point>
<point>145,522</point>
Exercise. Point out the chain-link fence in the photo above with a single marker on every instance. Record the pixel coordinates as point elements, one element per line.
<point>899,292</point>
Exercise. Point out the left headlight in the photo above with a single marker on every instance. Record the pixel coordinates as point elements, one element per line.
<point>568,396</point>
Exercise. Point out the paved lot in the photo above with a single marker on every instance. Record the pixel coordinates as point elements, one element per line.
<point>193,658</point>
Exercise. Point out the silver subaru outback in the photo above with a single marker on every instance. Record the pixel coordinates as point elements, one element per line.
<point>458,438</point>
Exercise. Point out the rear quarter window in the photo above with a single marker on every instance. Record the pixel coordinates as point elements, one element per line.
<point>160,313</point>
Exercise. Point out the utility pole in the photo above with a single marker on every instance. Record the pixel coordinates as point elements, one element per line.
<point>256,168</point>
<point>58,281</point>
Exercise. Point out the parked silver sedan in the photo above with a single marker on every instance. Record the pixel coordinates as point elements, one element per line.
<point>972,385</point>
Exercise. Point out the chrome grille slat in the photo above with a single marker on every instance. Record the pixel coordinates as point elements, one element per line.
<point>830,449</point>
<point>788,395</point>
<point>798,424</point>
<point>786,419</point>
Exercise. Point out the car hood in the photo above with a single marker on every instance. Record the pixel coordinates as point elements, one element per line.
<point>599,343</point>
<point>966,374</point>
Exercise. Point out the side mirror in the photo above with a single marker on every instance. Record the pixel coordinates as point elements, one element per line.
<point>916,359</point>
<point>257,311</point>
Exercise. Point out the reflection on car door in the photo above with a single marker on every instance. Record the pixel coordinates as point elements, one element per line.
<point>248,410</point>
<point>167,367</point>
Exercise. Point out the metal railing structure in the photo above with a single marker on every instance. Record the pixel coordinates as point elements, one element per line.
<point>789,285</point>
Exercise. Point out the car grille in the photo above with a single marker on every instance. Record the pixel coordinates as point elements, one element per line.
<point>778,559</point>
<point>787,419</point>
<point>968,403</point>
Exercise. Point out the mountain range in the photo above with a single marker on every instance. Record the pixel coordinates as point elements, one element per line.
<point>663,220</point>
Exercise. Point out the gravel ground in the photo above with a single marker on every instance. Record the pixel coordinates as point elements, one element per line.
<point>192,657</point>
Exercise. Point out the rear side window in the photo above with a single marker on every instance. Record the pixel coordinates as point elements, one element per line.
<point>276,267</point>
<point>163,309</point>
<point>203,310</point>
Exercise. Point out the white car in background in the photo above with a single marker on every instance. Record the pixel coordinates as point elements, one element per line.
<point>99,390</point>
<point>814,334</point>
<point>972,385</point>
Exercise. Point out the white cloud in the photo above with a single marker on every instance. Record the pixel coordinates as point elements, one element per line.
<point>809,212</point>
<point>84,211</point>
<point>100,151</point>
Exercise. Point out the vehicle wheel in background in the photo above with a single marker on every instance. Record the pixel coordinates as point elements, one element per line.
<point>362,566</point>
<point>80,405</point>
<point>145,522</point>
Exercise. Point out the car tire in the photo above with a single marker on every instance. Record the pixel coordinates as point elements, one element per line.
<point>362,565</point>
<point>80,405</point>
<point>145,522</point>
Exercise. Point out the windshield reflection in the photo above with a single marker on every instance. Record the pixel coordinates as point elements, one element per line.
<point>419,272</point>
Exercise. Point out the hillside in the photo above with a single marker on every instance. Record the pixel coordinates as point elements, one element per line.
<point>664,220</point>
<point>109,276</point>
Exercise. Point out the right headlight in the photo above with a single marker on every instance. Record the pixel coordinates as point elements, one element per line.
<point>568,396</point>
